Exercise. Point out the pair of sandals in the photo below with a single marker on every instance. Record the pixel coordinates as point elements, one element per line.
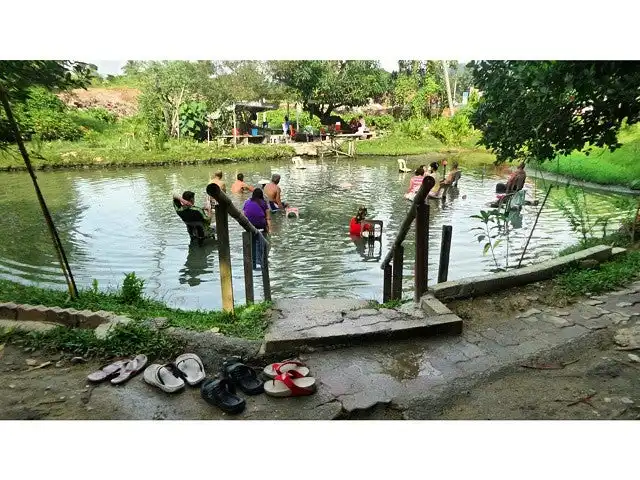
<point>119,371</point>
<point>221,392</point>
<point>289,378</point>
<point>172,377</point>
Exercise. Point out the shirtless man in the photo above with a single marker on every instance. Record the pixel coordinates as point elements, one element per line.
<point>517,179</point>
<point>273,193</point>
<point>210,202</point>
<point>239,186</point>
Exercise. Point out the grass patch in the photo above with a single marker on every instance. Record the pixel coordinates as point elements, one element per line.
<point>394,145</point>
<point>608,276</point>
<point>614,240</point>
<point>122,340</point>
<point>116,148</point>
<point>249,321</point>
<point>620,167</point>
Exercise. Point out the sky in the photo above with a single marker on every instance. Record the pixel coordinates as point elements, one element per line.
<point>113,67</point>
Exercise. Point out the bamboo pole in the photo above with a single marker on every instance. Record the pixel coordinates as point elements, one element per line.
<point>445,249</point>
<point>534,225</point>
<point>224,257</point>
<point>57,244</point>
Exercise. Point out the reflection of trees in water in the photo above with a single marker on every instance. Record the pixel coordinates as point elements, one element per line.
<point>25,238</point>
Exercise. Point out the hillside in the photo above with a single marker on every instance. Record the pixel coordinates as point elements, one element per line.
<point>122,101</point>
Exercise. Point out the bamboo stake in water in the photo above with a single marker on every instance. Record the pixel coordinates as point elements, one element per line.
<point>534,225</point>
<point>57,244</point>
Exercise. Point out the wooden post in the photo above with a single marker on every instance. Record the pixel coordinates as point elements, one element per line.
<point>266,281</point>
<point>386,286</point>
<point>235,141</point>
<point>422,245</point>
<point>396,287</point>
<point>224,255</point>
<point>247,240</point>
<point>445,249</point>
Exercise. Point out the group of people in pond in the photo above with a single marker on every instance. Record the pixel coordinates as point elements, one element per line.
<point>257,208</point>
<point>423,171</point>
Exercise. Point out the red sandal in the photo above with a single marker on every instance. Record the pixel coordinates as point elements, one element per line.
<point>285,366</point>
<point>290,384</point>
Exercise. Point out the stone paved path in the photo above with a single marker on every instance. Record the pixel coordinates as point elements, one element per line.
<point>410,379</point>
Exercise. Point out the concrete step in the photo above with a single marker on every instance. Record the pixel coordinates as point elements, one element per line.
<point>27,325</point>
<point>322,322</point>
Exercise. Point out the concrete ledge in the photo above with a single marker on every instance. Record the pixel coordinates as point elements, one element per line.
<point>101,321</point>
<point>485,284</point>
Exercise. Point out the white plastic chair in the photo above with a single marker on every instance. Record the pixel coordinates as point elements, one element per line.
<point>402,166</point>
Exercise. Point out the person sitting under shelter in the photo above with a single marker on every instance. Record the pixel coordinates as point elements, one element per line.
<point>273,194</point>
<point>240,186</point>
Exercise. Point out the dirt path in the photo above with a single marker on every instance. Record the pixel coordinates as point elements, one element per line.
<point>602,384</point>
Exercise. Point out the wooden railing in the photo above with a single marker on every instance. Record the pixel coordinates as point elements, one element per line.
<point>392,286</point>
<point>393,262</point>
<point>224,209</point>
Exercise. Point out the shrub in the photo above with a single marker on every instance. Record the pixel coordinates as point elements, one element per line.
<point>53,125</point>
<point>451,130</point>
<point>382,122</point>
<point>132,287</point>
<point>413,128</point>
<point>102,114</point>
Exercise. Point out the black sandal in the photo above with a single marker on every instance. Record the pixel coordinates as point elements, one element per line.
<point>221,394</point>
<point>243,376</point>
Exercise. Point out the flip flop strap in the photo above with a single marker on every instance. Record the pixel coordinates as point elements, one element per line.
<point>277,367</point>
<point>193,360</point>
<point>171,368</point>
<point>288,381</point>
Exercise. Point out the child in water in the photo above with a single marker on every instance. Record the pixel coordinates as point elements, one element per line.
<point>355,227</point>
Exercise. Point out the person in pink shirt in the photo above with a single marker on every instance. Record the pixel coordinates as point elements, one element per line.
<point>416,180</point>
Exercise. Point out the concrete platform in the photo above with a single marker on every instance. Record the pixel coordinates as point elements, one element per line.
<point>332,322</point>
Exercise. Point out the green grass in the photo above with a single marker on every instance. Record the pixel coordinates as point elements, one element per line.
<point>621,167</point>
<point>608,276</point>
<point>249,321</point>
<point>123,340</point>
<point>394,145</point>
<point>113,147</point>
<point>614,240</point>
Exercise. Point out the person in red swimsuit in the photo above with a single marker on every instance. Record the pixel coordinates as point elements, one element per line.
<point>355,227</point>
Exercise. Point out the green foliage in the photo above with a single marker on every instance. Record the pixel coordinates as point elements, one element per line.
<point>324,85</point>
<point>102,114</point>
<point>122,340</point>
<point>493,235</point>
<point>575,208</point>
<point>608,276</point>
<point>248,322</point>
<point>193,120</point>
<point>620,167</point>
<point>414,128</point>
<point>18,77</point>
<point>541,109</point>
<point>381,122</point>
<point>132,288</point>
<point>451,130</point>
<point>615,239</point>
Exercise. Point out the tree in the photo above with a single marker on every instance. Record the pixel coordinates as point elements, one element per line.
<point>324,85</point>
<point>534,109</point>
<point>19,77</point>
<point>166,85</point>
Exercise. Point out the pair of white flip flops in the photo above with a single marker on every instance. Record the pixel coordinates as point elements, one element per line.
<point>172,377</point>
<point>288,379</point>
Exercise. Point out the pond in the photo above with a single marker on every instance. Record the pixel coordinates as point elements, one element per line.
<point>117,221</point>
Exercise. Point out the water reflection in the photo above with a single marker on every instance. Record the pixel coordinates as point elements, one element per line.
<point>118,221</point>
<point>200,261</point>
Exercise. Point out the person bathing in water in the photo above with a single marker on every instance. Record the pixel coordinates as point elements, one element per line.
<point>210,202</point>
<point>273,194</point>
<point>240,186</point>
<point>257,212</point>
<point>416,180</point>
<point>186,202</point>
<point>515,182</point>
<point>355,227</point>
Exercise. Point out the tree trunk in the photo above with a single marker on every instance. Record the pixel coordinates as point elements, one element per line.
<point>448,86</point>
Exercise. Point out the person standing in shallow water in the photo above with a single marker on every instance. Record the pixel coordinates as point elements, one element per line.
<point>240,186</point>
<point>273,193</point>
<point>416,180</point>
<point>257,212</point>
<point>210,202</point>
